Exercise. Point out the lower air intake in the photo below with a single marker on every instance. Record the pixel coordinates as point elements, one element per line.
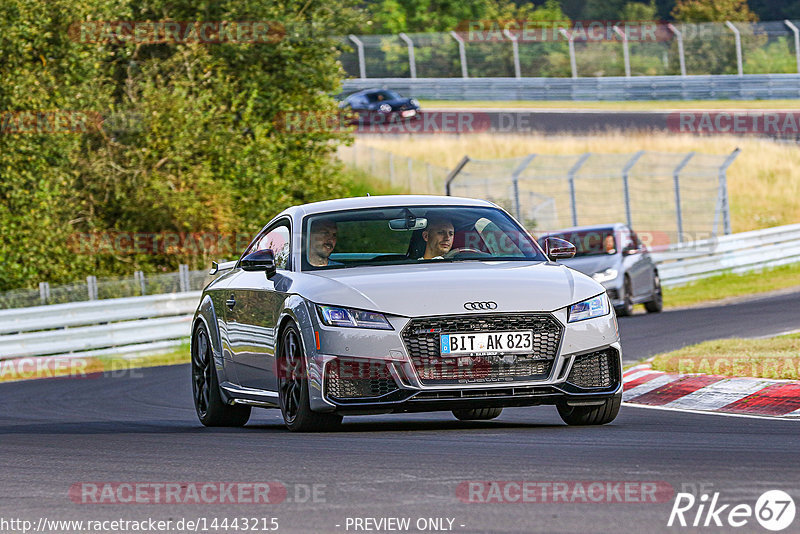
<point>350,379</point>
<point>595,370</point>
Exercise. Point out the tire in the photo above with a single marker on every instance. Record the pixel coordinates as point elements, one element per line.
<point>208,403</point>
<point>477,414</point>
<point>657,304</point>
<point>627,307</point>
<point>293,388</point>
<point>591,415</point>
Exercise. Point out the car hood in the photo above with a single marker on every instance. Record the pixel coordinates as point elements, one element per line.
<point>591,264</point>
<point>443,289</point>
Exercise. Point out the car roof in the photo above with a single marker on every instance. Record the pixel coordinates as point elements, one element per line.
<point>368,91</point>
<point>383,201</point>
<point>589,228</point>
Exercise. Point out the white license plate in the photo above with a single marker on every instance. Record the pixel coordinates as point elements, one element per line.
<point>486,343</point>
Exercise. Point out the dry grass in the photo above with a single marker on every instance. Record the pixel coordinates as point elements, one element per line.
<point>627,105</point>
<point>763,182</point>
<point>777,358</point>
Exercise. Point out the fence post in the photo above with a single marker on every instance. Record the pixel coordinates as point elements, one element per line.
<point>91,286</point>
<point>571,177</point>
<point>515,184</point>
<point>515,50</point>
<point>44,292</point>
<point>626,190</point>
<point>462,52</point>
<point>183,277</point>
<point>625,55</point>
<point>796,33</point>
<point>738,38</point>
<point>362,67</point>
<point>452,174</point>
<point>676,184</point>
<point>138,278</point>
<point>391,168</point>
<point>681,57</point>
<point>573,64</point>
<point>412,62</point>
<point>723,190</point>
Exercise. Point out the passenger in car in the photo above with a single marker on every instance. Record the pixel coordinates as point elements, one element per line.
<point>322,242</point>
<point>438,237</point>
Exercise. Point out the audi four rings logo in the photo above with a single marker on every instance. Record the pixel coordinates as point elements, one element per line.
<point>488,305</point>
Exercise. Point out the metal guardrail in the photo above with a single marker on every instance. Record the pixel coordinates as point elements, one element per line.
<point>705,87</point>
<point>737,253</point>
<point>94,328</point>
<point>142,324</point>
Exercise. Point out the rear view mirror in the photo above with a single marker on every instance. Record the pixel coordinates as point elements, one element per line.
<point>409,223</point>
<point>558,249</point>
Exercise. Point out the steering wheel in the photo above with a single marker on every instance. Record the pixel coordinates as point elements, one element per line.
<point>456,251</point>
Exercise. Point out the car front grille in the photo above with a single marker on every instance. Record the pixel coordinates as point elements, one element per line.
<point>351,379</point>
<point>421,338</point>
<point>595,370</point>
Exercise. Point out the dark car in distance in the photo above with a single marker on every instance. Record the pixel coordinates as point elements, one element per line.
<point>380,105</point>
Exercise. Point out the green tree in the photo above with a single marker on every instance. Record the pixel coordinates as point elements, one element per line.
<point>193,138</point>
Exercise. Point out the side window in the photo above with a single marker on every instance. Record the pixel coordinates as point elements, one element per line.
<point>278,241</point>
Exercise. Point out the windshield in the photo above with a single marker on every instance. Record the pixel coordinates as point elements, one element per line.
<point>413,235</point>
<point>595,242</point>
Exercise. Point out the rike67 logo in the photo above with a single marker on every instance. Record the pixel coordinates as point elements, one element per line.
<point>774,510</point>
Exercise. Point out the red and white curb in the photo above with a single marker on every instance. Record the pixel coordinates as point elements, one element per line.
<point>743,396</point>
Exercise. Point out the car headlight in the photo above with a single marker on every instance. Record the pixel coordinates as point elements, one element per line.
<point>349,317</point>
<point>605,276</point>
<point>384,108</point>
<point>589,309</point>
<point>414,102</point>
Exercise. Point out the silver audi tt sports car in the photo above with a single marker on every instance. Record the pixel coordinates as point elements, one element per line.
<point>402,304</point>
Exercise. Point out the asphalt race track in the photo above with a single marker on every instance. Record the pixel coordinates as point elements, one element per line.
<point>140,426</point>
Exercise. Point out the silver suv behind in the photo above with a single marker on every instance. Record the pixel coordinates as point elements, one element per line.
<point>613,255</point>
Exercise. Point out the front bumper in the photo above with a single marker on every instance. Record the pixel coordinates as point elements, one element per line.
<point>345,380</point>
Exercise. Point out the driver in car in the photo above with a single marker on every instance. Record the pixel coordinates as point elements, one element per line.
<point>322,242</point>
<point>438,237</point>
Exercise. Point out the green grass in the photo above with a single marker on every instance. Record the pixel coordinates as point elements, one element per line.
<point>776,358</point>
<point>733,285</point>
<point>636,105</point>
<point>360,183</point>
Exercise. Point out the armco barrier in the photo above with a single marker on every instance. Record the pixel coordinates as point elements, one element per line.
<point>738,253</point>
<point>93,328</point>
<point>707,87</point>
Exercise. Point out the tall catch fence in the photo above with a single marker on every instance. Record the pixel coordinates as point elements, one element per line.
<point>577,49</point>
<point>669,198</point>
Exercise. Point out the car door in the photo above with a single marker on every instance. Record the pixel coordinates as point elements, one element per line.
<point>252,308</point>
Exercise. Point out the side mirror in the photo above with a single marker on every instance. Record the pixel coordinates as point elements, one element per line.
<point>260,260</point>
<point>627,251</point>
<point>558,249</point>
